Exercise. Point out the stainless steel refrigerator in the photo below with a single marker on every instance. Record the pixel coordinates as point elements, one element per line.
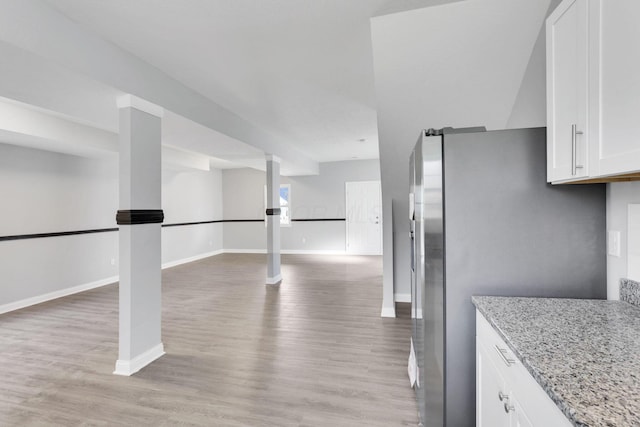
<point>485,222</point>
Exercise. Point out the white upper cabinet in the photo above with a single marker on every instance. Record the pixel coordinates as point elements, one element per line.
<point>567,71</point>
<point>593,91</point>
<point>618,150</point>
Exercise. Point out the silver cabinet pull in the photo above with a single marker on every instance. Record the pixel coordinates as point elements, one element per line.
<point>503,396</point>
<point>508,408</point>
<point>504,355</point>
<point>574,149</point>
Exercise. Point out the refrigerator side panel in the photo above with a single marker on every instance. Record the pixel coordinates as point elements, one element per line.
<point>510,233</point>
<point>430,229</point>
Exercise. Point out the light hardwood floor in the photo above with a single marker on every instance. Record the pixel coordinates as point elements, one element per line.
<point>310,352</point>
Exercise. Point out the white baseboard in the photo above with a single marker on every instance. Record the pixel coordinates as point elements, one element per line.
<point>388,312</point>
<point>130,367</point>
<point>402,297</point>
<point>17,305</point>
<point>244,251</point>
<point>289,252</point>
<point>191,259</point>
<point>311,252</point>
<point>274,280</point>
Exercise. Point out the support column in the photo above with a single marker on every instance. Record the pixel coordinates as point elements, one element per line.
<point>139,219</point>
<point>273,220</point>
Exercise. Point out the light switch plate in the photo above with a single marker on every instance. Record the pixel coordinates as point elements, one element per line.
<point>614,243</point>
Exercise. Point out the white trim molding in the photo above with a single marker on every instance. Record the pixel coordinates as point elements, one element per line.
<point>244,251</point>
<point>27,302</point>
<point>274,280</point>
<point>191,259</point>
<point>402,297</point>
<point>38,299</point>
<point>126,101</point>
<point>130,367</point>
<point>272,158</point>
<point>388,312</point>
<point>293,252</point>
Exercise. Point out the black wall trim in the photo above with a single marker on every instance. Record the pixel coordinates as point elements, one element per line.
<point>139,216</point>
<point>273,211</point>
<point>179,224</point>
<point>217,221</point>
<point>58,234</point>
<point>318,219</point>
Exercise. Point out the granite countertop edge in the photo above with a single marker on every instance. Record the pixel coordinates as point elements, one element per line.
<point>540,379</point>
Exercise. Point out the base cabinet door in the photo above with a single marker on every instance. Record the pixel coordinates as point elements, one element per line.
<point>518,417</point>
<point>506,394</point>
<point>491,392</point>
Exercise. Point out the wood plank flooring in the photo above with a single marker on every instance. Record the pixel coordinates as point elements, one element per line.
<point>310,352</point>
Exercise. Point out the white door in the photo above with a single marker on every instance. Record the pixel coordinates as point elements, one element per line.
<point>364,218</point>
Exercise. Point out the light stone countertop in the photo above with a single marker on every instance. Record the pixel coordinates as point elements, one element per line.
<point>584,353</point>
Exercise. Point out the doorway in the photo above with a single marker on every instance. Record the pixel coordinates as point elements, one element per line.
<point>364,218</point>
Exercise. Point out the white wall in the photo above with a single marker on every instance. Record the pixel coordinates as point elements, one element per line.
<point>191,196</point>
<point>46,192</point>
<point>312,197</point>
<point>619,195</point>
<point>530,106</point>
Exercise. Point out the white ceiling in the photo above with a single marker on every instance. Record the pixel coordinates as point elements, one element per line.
<point>301,70</point>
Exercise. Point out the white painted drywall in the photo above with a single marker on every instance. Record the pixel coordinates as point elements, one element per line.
<point>530,106</point>
<point>619,196</point>
<point>48,192</point>
<point>191,196</point>
<point>45,192</point>
<point>315,196</point>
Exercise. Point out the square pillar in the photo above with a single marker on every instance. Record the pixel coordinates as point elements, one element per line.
<point>139,219</point>
<point>273,220</point>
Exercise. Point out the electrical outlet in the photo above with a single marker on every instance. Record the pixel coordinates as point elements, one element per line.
<point>614,243</point>
<point>113,261</point>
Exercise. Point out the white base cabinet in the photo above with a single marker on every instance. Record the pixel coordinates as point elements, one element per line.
<point>593,90</point>
<point>506,394</point>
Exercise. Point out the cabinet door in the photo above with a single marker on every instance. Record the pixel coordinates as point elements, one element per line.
<point>619,34</point>
<point>490,385</point>
<point>567,69</point>
<point>518,416</point>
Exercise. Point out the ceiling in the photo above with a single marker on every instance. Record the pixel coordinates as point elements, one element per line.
<point>300,70</point>
<point>238,78</point>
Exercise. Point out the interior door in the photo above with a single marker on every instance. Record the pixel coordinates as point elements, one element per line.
<point>364,217</point>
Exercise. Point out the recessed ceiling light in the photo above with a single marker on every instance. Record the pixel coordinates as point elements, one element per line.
<point>362,139</point>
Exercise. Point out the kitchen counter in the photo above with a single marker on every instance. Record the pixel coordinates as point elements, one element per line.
<point>585,354</point>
